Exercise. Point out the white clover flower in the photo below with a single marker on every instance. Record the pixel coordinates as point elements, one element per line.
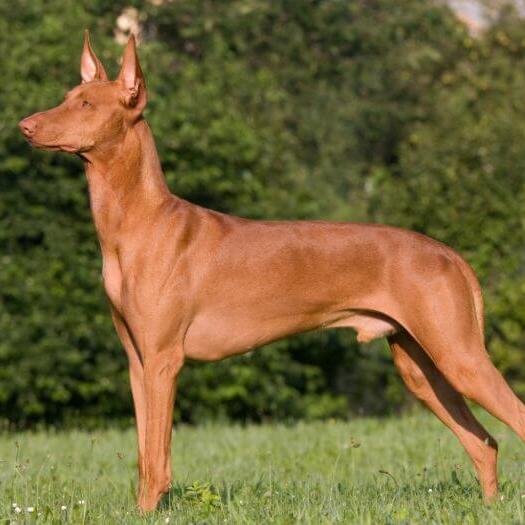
<point>167,520</point>
<point>63,507</point>
<point>30,509</point>
<point>430,490</point>
<point>14,505</point>
<point>18,510</point>
<point>81,502</point>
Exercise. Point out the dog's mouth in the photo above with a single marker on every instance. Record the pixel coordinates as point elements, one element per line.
<point>54,147</point>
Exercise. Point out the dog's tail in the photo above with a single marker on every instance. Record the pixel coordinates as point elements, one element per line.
<point>475,288</point>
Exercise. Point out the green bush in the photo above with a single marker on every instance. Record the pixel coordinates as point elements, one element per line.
<point>371,111</point>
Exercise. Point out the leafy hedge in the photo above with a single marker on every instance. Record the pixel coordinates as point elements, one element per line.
<point>374,111</point>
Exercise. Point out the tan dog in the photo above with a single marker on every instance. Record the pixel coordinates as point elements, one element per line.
<point>187,282</point>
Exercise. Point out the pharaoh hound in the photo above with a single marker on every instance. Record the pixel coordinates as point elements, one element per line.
<point>185,282</point>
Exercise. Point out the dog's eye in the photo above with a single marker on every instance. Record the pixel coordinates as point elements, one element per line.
<point>86,104</point>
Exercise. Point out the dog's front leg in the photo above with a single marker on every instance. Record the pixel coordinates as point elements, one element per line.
<point>161,368</point>
<point>136,379</point>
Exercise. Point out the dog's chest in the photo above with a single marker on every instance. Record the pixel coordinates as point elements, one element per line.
<point>112,276</point>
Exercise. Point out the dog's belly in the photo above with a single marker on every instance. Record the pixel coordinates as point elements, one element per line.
<point>213,337</point>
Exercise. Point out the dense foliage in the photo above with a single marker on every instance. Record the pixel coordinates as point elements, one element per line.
<point>373,111</point>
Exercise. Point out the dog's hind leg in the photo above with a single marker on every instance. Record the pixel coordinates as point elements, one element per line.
<point>473,375</point>
<point>446,321</point>
<point>427,383</point>
<point>460,355</point>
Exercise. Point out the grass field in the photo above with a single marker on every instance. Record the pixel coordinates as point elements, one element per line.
<point>368,471</point>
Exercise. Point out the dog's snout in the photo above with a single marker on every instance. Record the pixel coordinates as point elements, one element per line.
<point>27,126</point>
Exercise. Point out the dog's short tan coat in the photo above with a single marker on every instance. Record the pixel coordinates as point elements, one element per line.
<point>187,282</point>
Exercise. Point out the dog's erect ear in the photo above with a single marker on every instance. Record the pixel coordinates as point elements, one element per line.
<point>90,66</point>
<point>131,78</point>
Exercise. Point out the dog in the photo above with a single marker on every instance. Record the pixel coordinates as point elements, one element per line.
<point>185,282</point>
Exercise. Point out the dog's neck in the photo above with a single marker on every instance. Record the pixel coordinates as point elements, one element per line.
<point>126,183</point>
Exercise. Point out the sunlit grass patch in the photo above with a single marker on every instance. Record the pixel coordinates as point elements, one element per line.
<point>402,470</point>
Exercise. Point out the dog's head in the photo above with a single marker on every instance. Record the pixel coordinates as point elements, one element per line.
<point>95,114</point>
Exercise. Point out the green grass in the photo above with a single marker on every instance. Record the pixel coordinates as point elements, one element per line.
<point>399,470</point>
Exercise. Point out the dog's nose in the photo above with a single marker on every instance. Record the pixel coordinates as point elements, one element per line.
<point>27,126</point>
